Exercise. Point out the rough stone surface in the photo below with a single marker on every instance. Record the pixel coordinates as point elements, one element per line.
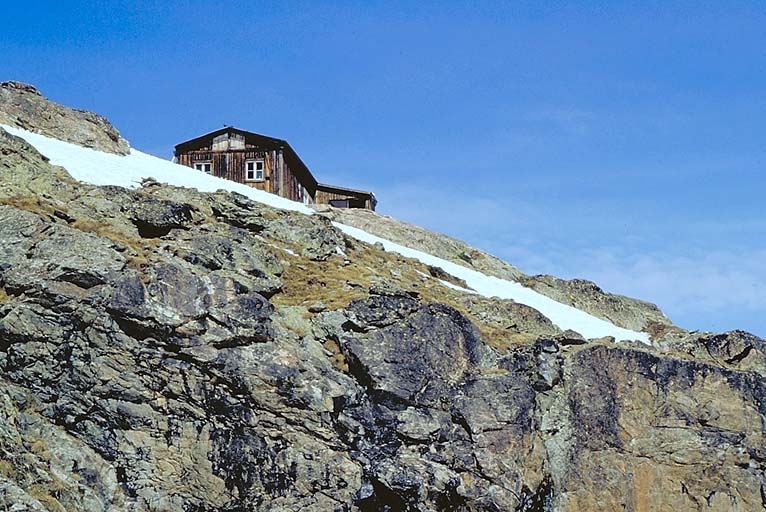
<point>163,349</point>
<point>23,106</point>
<point>655,432</point>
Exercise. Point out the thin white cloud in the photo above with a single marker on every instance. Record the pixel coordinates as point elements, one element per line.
<point>699,273</point>
<point>699,290</point>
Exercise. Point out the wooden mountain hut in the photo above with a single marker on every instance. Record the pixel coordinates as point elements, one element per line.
<point>266,163</point>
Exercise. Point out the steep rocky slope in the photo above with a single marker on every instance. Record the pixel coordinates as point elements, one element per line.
<point>165,349</point>
<point>585,295</point>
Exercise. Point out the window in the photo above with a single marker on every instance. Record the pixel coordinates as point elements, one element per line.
<point>254,170</point>
<point>204,167</point>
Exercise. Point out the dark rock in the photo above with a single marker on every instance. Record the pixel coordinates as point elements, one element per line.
<point>20,86</point>
<point>155,218</point>
<point>381,310</point>
<point>183,309</point>
<point>231,253</point>
<point>239,211</point>
<point>570,337</point>
<point>608,392</point>
<point>317,307</point>
<point>399,362</point>
<point>734,349</point>
<point>61,254</point>
<point>315,235</point>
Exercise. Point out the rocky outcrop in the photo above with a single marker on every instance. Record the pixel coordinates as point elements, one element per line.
<point>586,295</point>
<point>620,310</point>
<point>23,106</point>
<point>163,349</point>
<point>649,431</point>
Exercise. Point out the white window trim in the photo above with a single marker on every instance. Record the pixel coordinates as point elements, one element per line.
<point>207,162</point>
<point>255,177</point>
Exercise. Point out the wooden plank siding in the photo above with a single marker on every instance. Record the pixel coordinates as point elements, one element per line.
<point>230,165</point>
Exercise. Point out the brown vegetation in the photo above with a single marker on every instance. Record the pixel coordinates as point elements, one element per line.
<point>337,281</point>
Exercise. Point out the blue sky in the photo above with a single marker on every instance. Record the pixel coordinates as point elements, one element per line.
<point>615,142</point>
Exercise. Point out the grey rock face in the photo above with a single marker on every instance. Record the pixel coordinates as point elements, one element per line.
<point>231,254</point>
<point>401,363</point>
<point>63,255</point>
<point>159,351</point>
<point>665,421</point>
<point>430,433</point>
<point>315,236</point>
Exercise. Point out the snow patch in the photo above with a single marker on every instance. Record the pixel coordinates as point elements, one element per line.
<point>456,287</point>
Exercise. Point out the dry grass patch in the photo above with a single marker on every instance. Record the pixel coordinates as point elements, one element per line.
<point>104,230</point>
<point>337,358</point>
<point>658,331</point>
<point>140,248</point>
<point>337,284</point>
<point>494,371</point>
<point>42,493</point>
<point>31,204</point>
<point>7,469</point>
<point>40,448</point>
<point>306,282</point>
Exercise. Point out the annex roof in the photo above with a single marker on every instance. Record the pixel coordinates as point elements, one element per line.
<point>335,188</point>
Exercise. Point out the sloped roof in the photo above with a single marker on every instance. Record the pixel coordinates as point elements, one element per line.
<point>359,194</point>
<point>265,142</point>
<point>335,188</point>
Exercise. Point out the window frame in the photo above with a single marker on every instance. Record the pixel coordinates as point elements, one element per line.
<point>204,163</point>
<point>255,171</point>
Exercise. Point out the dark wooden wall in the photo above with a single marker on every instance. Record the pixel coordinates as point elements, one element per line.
<point>230,164</point>
<point>325,196</point>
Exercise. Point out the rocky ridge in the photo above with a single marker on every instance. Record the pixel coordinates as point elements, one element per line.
<point>622,311</point>
<point>163,349</point>
<point>23,106</point>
